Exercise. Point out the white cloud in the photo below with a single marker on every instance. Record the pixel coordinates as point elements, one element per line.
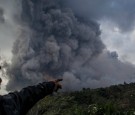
<point>115,40</point>
<point>3,85</point>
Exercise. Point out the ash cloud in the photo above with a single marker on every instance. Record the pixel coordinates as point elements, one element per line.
<point>2,20</point>
<point>59,42</point>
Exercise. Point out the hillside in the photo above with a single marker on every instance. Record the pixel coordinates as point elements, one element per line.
<point>113,100</point>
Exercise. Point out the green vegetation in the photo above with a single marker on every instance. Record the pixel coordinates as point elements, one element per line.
<point>114,100</point>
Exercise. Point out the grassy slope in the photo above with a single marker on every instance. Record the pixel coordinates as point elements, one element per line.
<point>114,100</point>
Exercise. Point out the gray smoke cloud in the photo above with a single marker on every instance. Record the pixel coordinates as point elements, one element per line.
<point>59,42</point>
<point>121,12</point>
<point>2,20</point>
<point>9,26</point>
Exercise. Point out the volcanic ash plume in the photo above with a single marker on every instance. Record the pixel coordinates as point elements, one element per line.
<point>1,16</point>
<point>57,43</point>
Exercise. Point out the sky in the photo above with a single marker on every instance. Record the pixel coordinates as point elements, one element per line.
<point>116,19</point>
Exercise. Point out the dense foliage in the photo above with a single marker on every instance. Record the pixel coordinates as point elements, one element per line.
<point>114,100</point>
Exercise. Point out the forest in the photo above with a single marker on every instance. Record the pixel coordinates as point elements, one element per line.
<point>113,100</point>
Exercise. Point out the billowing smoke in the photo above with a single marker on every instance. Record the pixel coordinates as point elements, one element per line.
<point>58,42</point>
<point>2,20</point>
